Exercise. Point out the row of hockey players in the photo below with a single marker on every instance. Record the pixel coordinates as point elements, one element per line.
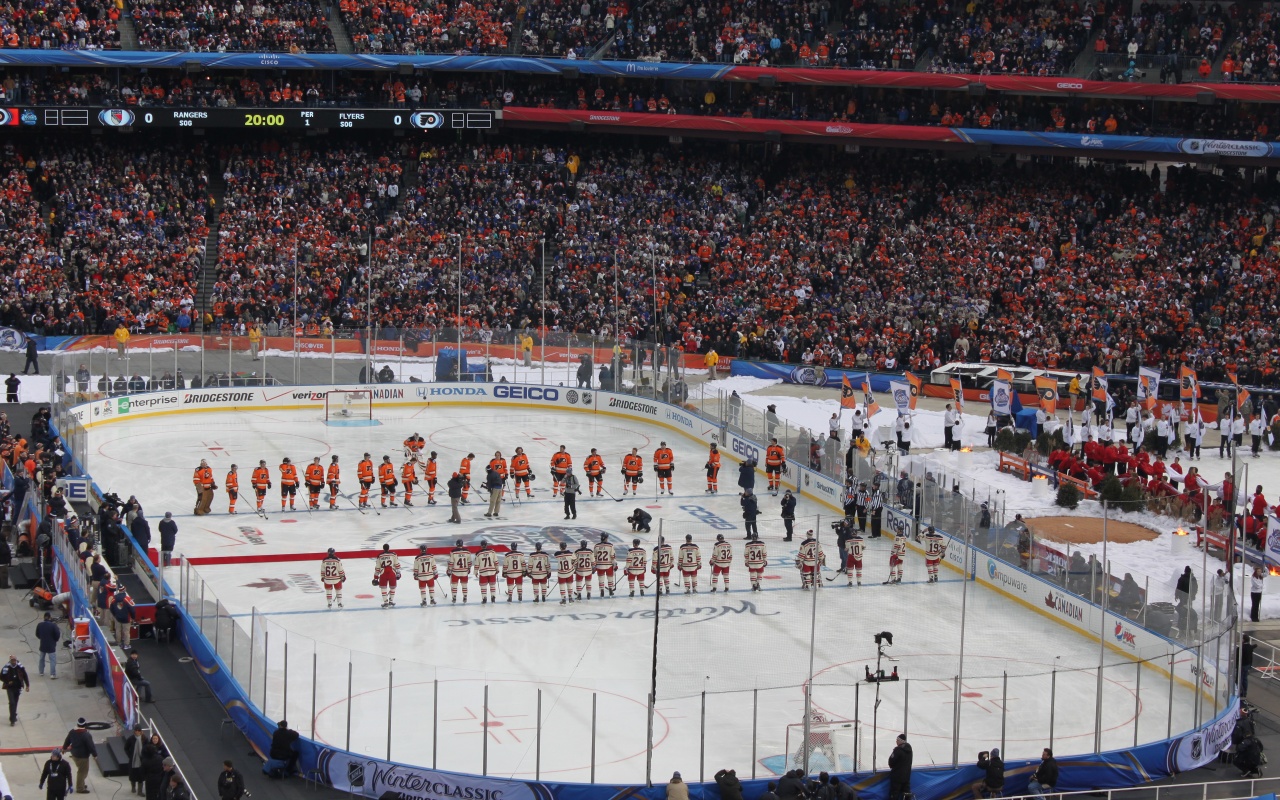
<point>574,569</point>
<point>315,478</point>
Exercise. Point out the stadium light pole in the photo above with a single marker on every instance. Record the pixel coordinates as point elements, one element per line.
<point>368,305</point>
<point>544,311</point>
<point>295,312</point>
<point>457,355</point>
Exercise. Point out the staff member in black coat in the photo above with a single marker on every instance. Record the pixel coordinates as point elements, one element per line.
<point>750,511</point>
<point>1046,775</point>
<point>788,513</point>
<point>730,786</point>
<point>57,775</point>
<point>13,677</point>
<point>900,768</point>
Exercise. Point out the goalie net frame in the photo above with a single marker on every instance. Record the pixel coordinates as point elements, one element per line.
<point>348,404</point>
<point>834,744</point>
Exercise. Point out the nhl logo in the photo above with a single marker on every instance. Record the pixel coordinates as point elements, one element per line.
<point>1197,748</point>
<point>355,774</point>
<point>571,396</point>
<point>586,398</point>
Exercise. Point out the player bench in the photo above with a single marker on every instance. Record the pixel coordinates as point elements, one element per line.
<point>1086,490</point>
<point>1015,465</point>
<point>1213,539</point>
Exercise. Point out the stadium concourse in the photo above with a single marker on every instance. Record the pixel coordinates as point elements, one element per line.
<point>261,578</point>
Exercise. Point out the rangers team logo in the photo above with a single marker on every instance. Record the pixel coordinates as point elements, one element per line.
<point>116,117</point>
<point>571,397</point>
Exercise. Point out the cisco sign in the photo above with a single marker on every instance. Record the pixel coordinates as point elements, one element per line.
<point>515,392</point>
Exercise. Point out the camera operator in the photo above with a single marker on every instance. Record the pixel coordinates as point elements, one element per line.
<point>992,783</point>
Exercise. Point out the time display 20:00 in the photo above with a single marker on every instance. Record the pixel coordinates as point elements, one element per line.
<point>263,120</point>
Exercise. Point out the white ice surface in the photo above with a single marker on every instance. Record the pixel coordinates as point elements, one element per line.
<point>727,646</point>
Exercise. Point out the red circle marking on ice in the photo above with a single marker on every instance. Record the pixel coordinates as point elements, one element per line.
<point>772,577</point>
<point>971,694</point>
<point>364,597</point>
<point>288,520</point>
<point>654,506</point>
<point>491,724</point>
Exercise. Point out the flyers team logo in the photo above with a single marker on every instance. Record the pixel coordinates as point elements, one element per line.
<point>847,391</point>
<point>1047,393</point>
<point>427,120</point>
<point>116,117</point>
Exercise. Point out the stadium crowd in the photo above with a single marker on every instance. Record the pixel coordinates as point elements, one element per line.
<point>59,24</point>
<point>753,260</point>
<point>1138,117</point>
<point>1025,37</point>
<point>123,238</point>
<point>292,26</point>
<point>1043,264</point>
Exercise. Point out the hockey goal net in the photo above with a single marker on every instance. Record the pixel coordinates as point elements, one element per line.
<point>833,745</point>
<point>340,404</point>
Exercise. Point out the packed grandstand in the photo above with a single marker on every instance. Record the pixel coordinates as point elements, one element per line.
<point>759,248</point>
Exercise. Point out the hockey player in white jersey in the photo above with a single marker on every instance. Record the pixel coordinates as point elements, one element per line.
<point>897,556</point>
<point>756,557</point>
<point>637,562</point>
<point>386,572</point>
<point>856,548</point>
<point>663,562</point>
<point>721,558</point>
<point>332,575</point>
<point>565,563</point>
<point>424,572</point>
<point>690,561</point>
<point>488,563</point>
<point>584,566</point>
<point>934,548</point>
<point>460,561</point>
<point>539,567</point>
<point>809,561</point>
<point>513,569</point>
<point>606,558</point>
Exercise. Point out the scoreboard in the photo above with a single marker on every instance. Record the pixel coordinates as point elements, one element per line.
<point>142,117</point>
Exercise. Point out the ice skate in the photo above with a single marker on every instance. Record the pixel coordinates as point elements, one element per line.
<point>339,604</point>
<point>423,603</point>
<point>330,604</point>
<point>433,601</point>
<point>563,601</point>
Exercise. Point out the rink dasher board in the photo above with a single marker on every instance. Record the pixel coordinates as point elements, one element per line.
<point>416,397</point>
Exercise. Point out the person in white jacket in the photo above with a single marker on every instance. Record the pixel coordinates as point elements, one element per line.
<point>1256,430</point>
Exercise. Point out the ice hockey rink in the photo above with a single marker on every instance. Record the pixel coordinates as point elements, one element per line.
<point>512,689</point>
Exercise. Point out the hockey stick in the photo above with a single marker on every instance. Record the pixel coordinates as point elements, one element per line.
<point>606,491</point>
<point>347,497</point>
